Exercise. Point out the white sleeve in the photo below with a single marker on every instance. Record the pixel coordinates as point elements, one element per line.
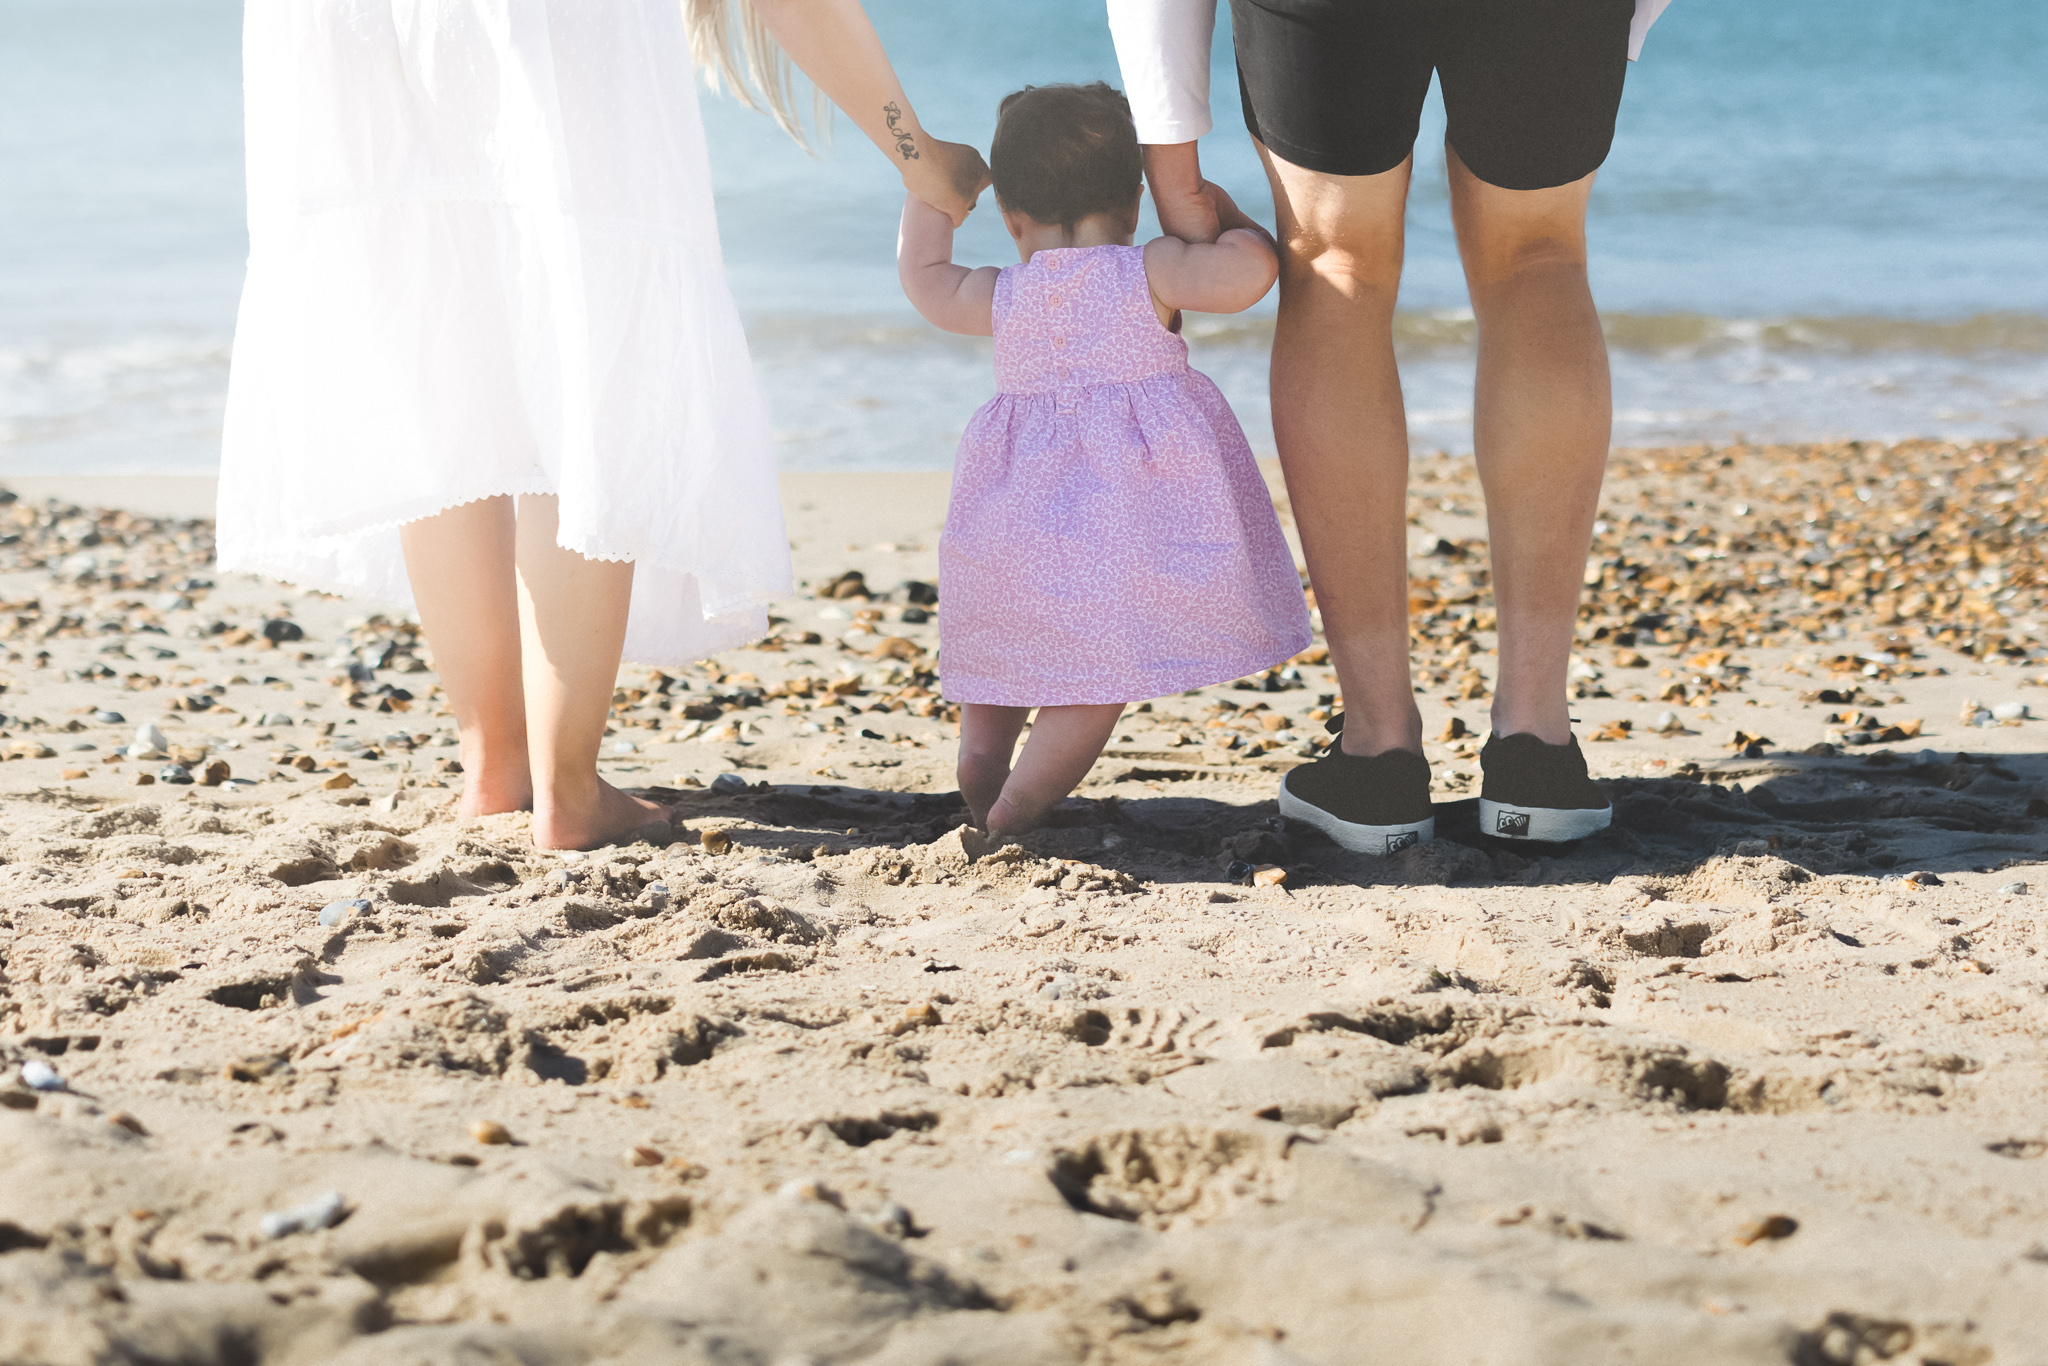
<point>1646,15</point>
<point>1163,48</point>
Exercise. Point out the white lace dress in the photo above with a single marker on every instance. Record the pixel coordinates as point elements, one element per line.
<point>483,261</point>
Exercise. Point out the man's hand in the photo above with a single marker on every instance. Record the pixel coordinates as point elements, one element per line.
<point>949,176</point>
<point>1187,204</point>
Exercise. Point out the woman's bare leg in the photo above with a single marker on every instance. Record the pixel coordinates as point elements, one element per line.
<point>1542,419</point>
<point>988,740</point>
<point>1343,432</point>
<point>461,564</point>
<point>1065,743</point>
<point>572,617</point>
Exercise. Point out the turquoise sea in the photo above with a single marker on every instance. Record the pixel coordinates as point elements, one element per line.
<point>1823,219</point>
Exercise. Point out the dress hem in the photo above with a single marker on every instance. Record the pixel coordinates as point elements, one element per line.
<point>589,547</point>
<point>995,694</point>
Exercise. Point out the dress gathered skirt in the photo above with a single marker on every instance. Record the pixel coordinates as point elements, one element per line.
<point>484,262</point>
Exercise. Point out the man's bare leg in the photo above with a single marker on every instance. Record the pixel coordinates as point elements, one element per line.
<point>1542,420</point>
<point>572,616</point>
<point>1343,432</point>
<point>1065,743</point>
<point>461,563</point>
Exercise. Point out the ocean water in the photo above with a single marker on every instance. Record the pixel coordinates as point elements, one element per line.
<point>1819,220</point>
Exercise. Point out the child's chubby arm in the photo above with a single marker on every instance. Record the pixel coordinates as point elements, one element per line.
<point>1228,275</point>
<point>949,297</point>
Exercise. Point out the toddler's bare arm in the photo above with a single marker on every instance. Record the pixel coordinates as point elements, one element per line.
<point>949,297</point>
<point>1228,275</point>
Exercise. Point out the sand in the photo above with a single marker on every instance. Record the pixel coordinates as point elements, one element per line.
<point>1756,1077</point>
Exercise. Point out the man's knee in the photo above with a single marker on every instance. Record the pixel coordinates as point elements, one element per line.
<point>1511,251</point>
<point>1351,260</point>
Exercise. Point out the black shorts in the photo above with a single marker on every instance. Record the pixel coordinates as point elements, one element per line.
<point>1531,86</point>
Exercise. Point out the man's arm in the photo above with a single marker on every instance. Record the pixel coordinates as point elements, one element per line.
<point>1162,47</point>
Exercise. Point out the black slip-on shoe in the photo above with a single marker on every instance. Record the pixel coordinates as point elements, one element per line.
<point>1369,804</point>
<point>1536,791</point>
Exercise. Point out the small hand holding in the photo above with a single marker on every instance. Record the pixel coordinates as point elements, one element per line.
<point>949,176</point>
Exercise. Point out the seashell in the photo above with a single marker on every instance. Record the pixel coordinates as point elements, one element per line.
<point>644,1156</point>
<point>1269,875</point>
<point>311,1217</point>
<point>38,1075</point>
<point>339,782</point>
<point>109,718</point>
<point>215,773</point>
<point>490,1133</point>
<point>174,773</point>
<point>121,1119</point>
<point>335,912</point>
<point>715,841</point>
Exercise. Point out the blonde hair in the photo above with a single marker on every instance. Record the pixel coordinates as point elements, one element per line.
<point>734,50</point>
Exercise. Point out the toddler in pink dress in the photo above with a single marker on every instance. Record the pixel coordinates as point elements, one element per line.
<point>1109,537</point>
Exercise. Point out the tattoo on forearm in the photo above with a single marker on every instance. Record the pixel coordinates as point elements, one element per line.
<point>906,141</point>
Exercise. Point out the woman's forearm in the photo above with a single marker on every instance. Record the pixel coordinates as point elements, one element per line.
<point>833,43</point>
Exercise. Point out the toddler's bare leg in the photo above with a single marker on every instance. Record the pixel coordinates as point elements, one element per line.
<point>572,616</point>
<point>461,566</point>
<point>988,737</point>
<point>1064,744</point>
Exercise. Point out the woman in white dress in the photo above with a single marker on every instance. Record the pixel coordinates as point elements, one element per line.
<point>487,362</point>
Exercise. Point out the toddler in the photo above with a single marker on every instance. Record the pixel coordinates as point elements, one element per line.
<point>1109,537</point>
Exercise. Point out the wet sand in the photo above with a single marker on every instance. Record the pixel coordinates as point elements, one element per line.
<point>1757,1076</point>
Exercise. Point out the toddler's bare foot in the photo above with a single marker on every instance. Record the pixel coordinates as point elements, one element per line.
<point>605,816</point>
<point>1009,818</point>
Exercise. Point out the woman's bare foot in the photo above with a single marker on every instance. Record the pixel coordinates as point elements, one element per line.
<point>602,817</point>
<point>489,787</point>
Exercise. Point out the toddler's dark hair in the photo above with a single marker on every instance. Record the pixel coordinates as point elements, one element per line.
<point>1063,152</point>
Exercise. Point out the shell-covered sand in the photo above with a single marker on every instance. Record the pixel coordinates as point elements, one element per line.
<point>1758,1076</point>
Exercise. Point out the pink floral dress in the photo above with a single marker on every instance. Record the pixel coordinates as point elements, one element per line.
<point>1109,537</point>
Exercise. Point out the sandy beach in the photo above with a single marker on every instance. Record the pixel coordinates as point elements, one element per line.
<point>301,1069</point>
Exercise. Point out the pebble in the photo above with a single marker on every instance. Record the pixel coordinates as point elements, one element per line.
<point>644,1156</point>
<point>715,841</point>
<point>121,1119</point>
<point>1767,1229</point>
<point>728,784</point>
<point>1270,875</point>
<point>490,1133</point>
<point>148,739</point>
<point>38,1075</point>
<point>1923,878</point>
<point>310,1217</point>
<point>624,747</point>
<point>174,773</point>
<point>109,718</point>
<point>2014,889</point>
<point>2009,711</point>
<point>891,1219</point>
<point>282,632</point>
<point>337,911</point>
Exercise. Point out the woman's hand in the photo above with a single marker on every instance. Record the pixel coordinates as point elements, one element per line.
<point>949,176</point>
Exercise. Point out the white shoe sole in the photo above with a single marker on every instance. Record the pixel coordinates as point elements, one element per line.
<point>1359,839</point>
<point>1541,824</point>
